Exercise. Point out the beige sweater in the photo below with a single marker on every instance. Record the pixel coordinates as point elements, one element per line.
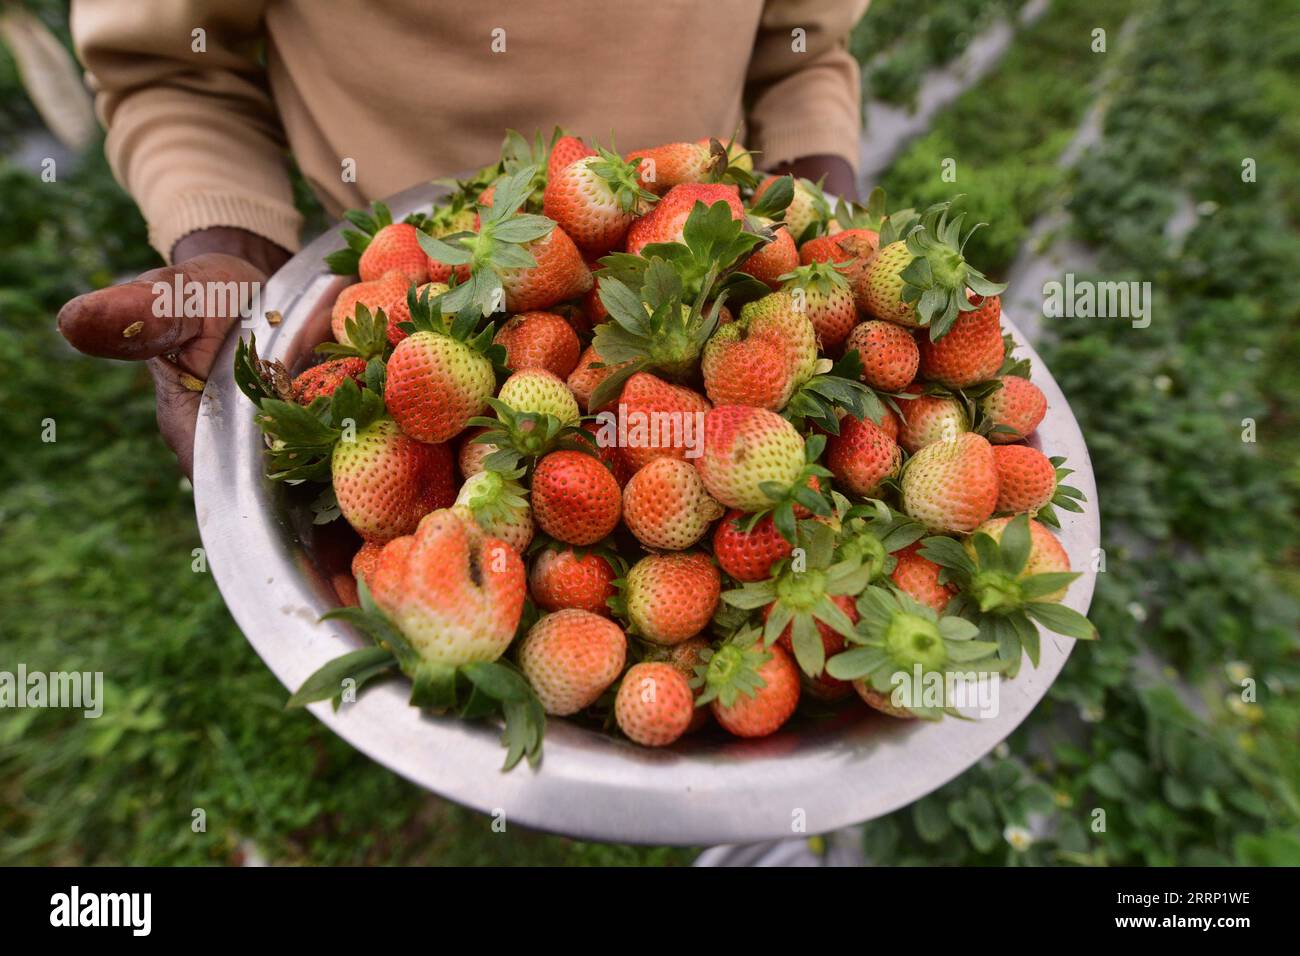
<point>416,89</point>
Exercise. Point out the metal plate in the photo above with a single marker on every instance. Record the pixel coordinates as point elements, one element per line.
<point>706,789</point>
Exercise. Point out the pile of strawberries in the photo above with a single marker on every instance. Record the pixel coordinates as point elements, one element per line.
<point>645,439</point>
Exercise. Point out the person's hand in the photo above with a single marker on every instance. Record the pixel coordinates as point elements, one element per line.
<point>840,180</point>
<point>120,322</point>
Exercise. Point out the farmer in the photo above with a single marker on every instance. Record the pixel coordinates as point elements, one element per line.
<point>206,101</point>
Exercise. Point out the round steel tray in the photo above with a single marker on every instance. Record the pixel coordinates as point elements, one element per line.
<point>275,572</point>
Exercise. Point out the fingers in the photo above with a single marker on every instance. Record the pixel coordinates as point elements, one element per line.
<point>162,310</point>
<point>178,410</point>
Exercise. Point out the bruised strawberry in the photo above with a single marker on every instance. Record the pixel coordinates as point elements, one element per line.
<point>386,481</point>
<point>321,380</point>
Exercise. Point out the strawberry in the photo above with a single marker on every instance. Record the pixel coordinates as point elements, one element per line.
<point>539,340</point>
<point>378,246</point>
<point>745,448</point>
<point>575,498</point>
<point>808,205</point>
<point>855,247</point>
<point>469,458</point>
<point>498,504</point>
<point>366,560</point>
<point>928,419</point>
<point>570,657</point>
<point>324,378</point>
<point>1026,479</point>
<point>566,578</point>
<point>890,423</point>
<point>611,455</point>
<point>1046,555</point>
<point>595,199</point>
<point>455,593</point>
<point>374,295</point>
<point>662,419</point>
<point>1014,410</point>
<point>671,597</point>
<point>741,368</point>
<point>666,507</point>
<point>971,352</point>
<point>919,578</point>
<point>748,555</point>
<point>684,658</point>
<point>654,705</point>
<point>660,168</point>
<point>399,310</point>
<point>537,391</point>
<point>386,482</point>
<point>394,247</point>
<point>781,317</point>
<point>751,691</point>
<point>665,222</point>
<point>862,456</point>
<point>951,485</point>
<point>565,151</point>
<point>439,377</point>
<point>889,354</point>
<point>517,260</point>
<point>773,261</point>
<point>590,371</point>
<point>922,280</point>
<point>823,294</point>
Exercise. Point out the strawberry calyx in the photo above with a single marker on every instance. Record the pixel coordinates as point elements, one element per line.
<point>803,492</point>
<point>499,244</point>
<point>872,532</point>
<point>494,496</point>
<point>471,691</point>
<point>994,591</point>
<point>834,387</point>
<point>936,279</point>
<point>520,436</point>
<point>1064,497</point>
<point>366,333</point>
<point>731,669</point>
<point>896,637</point>
<point>624,179</point>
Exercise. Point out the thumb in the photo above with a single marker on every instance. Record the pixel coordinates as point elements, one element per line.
<point>147,316</point>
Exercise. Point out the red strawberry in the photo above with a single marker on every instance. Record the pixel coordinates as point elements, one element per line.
<point>655,405</point>
<point>748,555</point>
<point>773,261</point>
<point>454,593</point>
<point>1026,479</point>
<point>744,448</point>
<point>1019,404</point>
<point>374,295</point>
<point>611,455</point>
<point>767,699</point>
<point>563,578</point>
<point>861,456</point>
<point>560,274</point>
<point>654,706</point>
<point>684,658</point>
<point>394,247</point>
<point>666,507</point>
<point>919,577</point>
<point>595,199</point>
<point>971,351</point>
<point>671,597</point>
<point>567,150</point>
<point>575,498</point>
<point>399,310</point>
<point>741,368</point>
<point>663,167</point>
<point>584,378</point>
<point>570,657</point>
<point>324,378</point>
<point>825,297</point>
<point>928,419</point>
<point>951,485</point>
<point>852,246</point>
<point>366,560</point>
<point>890,423</point>
<point>539,340</point>
<point>889,354</point>
<point>386,482</point>
<point>664,223</point>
